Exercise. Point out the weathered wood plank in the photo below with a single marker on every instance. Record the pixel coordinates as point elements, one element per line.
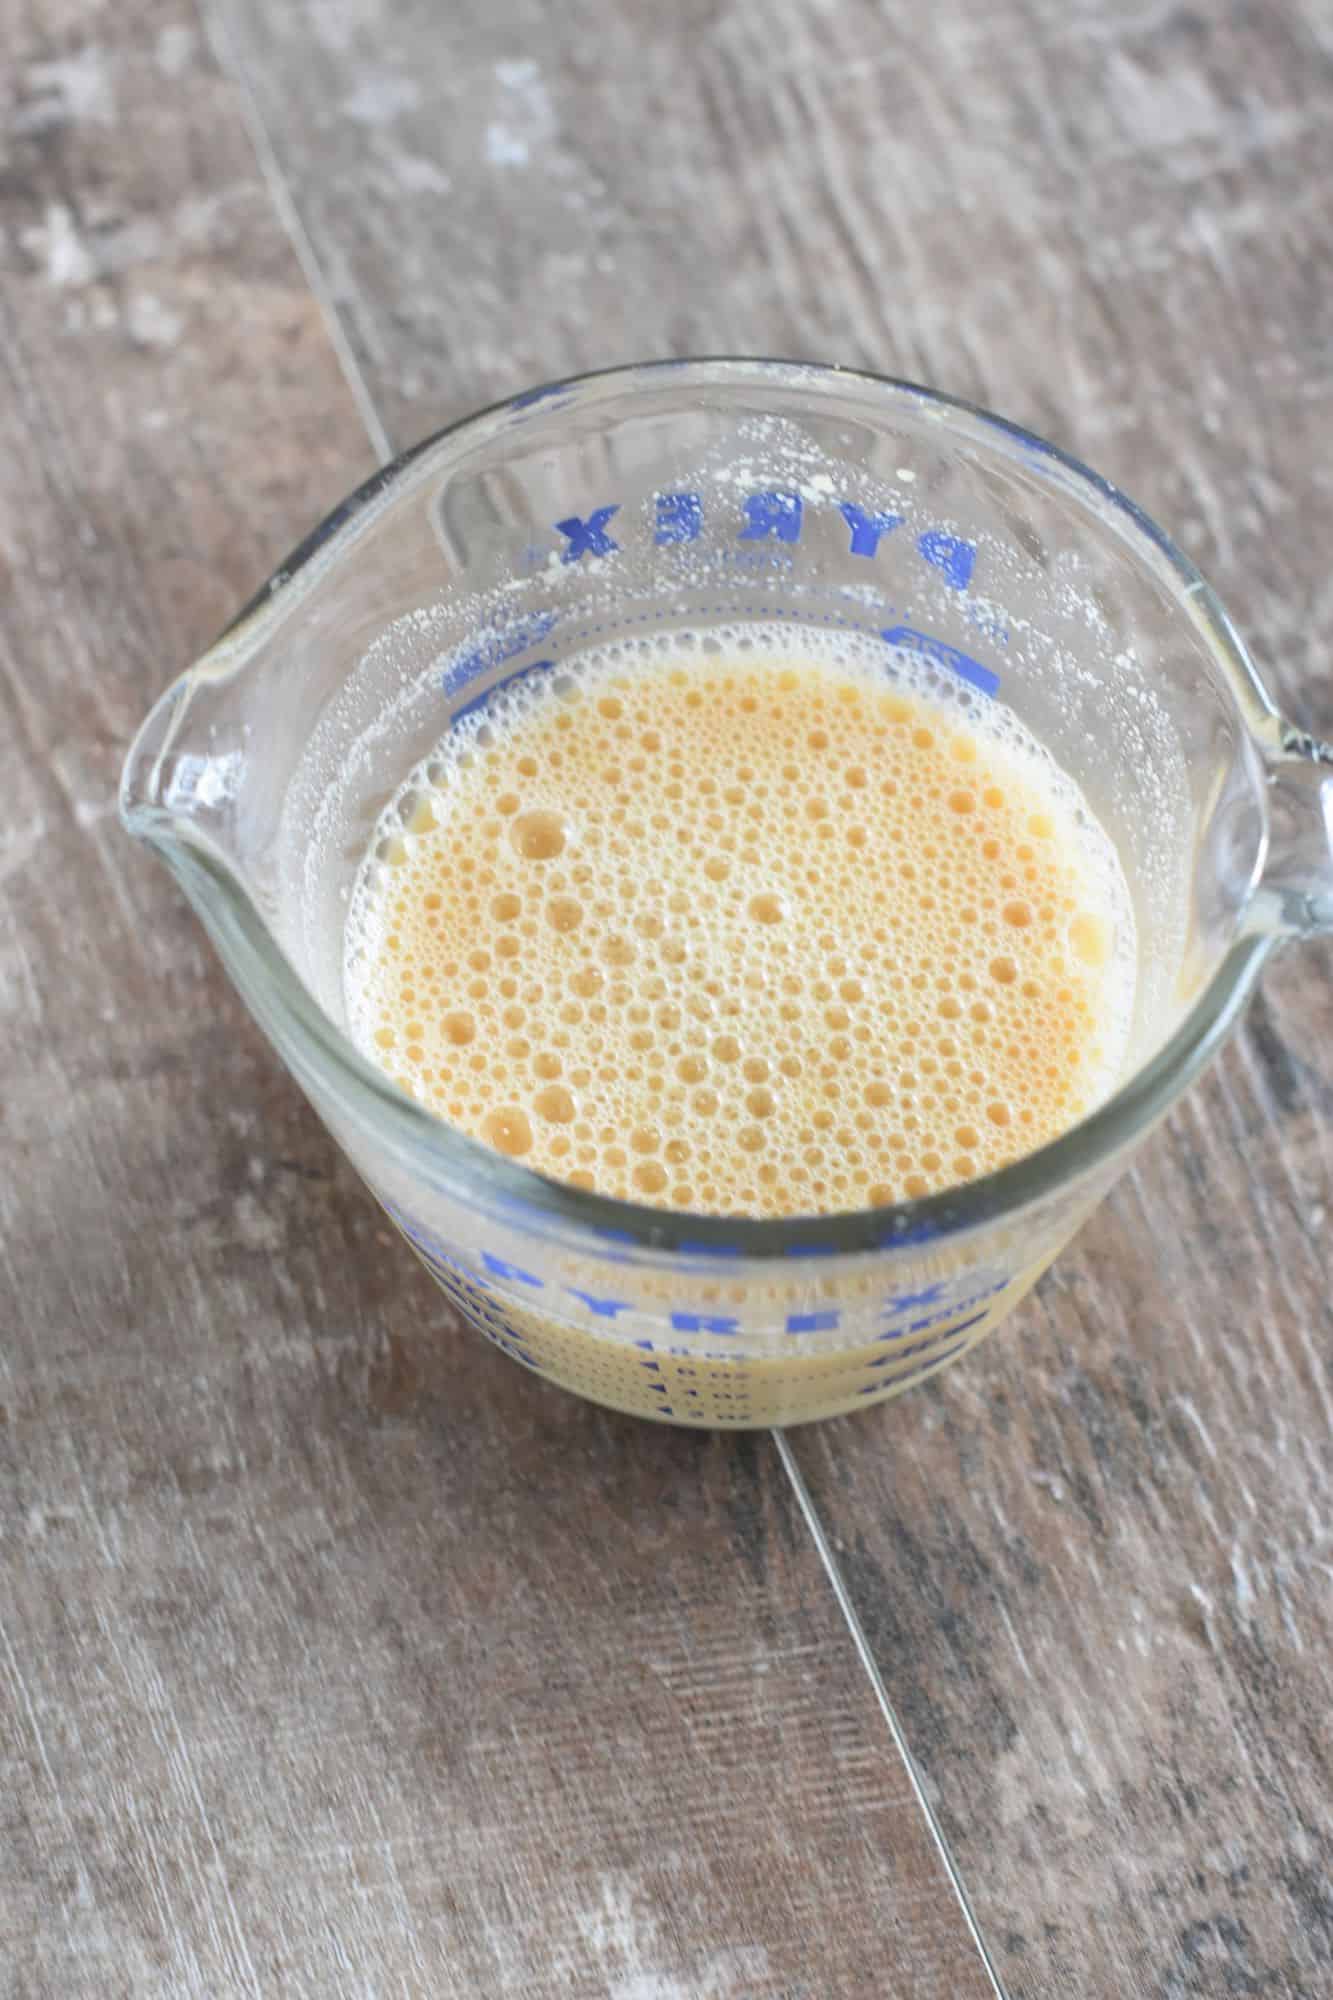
<point>1094,1563</point>
<point>335,1657</point>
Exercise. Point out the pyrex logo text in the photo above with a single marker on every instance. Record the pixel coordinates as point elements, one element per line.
<point>767,515</point>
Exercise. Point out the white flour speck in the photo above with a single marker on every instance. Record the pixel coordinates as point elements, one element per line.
<point>73,91</point>
<point>174,49</point>
<point>505,148</point>
<point>150,323</point>
<point>527,118</point>
<point>416,174</point>
<point>58,244</point>
<point>380,98</point>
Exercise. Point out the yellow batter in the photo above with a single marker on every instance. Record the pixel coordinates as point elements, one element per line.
<point>743,937</point>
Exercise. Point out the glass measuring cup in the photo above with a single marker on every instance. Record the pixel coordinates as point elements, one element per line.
<point>694,494</point>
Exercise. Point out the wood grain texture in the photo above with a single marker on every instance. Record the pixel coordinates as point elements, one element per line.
<point>1094,1563</point>
<point>335,1656</point>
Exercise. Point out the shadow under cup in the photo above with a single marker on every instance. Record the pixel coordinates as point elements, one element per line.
<point>696,496</point>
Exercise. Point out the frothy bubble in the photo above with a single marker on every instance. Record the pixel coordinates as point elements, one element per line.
<point>717,923</point>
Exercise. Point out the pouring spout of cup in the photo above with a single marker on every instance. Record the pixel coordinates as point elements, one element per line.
<point>1294,895</point>
<point>202,786</point>
<point>187,775</point>
<point>178,771</point>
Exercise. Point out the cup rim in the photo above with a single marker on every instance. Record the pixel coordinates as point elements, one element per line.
<point>480,1177</point>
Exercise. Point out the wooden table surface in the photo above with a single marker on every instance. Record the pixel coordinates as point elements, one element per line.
<point>338,1657</point>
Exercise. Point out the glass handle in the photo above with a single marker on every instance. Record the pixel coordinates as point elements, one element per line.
<point>1295,892</point>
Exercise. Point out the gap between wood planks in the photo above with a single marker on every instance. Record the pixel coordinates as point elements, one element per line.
<point>229,61</point>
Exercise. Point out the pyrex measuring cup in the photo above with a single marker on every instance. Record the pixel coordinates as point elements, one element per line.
<point>689,494</point>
